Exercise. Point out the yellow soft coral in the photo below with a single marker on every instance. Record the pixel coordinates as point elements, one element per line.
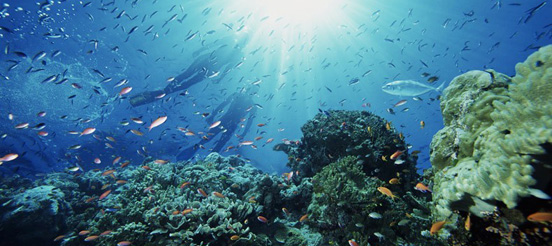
<point>490,122</point>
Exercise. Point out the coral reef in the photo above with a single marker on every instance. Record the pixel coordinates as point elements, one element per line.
<point>226,201</point>
<point>334,134</point>
<point>33,215</point>
<point>492,159</point>
<point>346,204</point>
<point>492,126</point>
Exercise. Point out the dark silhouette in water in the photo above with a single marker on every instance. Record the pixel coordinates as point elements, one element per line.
<point>239,105</point>
<point>224,53</point>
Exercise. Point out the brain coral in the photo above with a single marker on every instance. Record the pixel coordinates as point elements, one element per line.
<point>494,127</point>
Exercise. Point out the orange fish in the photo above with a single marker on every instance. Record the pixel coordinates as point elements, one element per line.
<point>540,217</point>
<point>106,233</point>
<point>218,194</point>
<point>125,90</point>
<point>422,124</point>
<point>42,133</point>
<point>87,131</point>
<point>304,217</point>
<point>286,211</point>
<point>175,212</point>
<point>187,211</point>
<point>159,161</point>
<point>124,164</point>
<point>261,125</point>
<point>137,120</point>
<point>84,232</point>
<point>352,242</point>
<point>91,238</point>
<point>158,122</point>
<point>467,224</point>
<point>215,124</point>
<point>108,172</point>
<point>90,199</point>
<point>146,167</point>
<point>246,143</point>
<point>396,155</point>
<point>59,238</point>
<point>262,219</point>
<point>104,194</point>
<point>388,126</point>
<point>258,138</point>
<point>137,133</point>
<point>116,160</point>
<point>400,103</point>
<point>184,185</point>
<point>201,192</point>
<point>22,126</point>
<point>124,243</point>
<point>421,187</point>
<point>234,237</point>
<point>120,181</point>
<point>386,192</point>
<point>110,139</point>
<point>436,227</point>
<point>394,181</point>
<point>97,160</point>
<point>9,157</point>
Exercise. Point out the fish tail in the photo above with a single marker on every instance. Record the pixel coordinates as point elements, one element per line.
<point>441,87</point>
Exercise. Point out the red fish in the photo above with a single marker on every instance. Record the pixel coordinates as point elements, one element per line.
<point>9,157</point>
<point>396,155</point>
<point>42,133</point>
<point>399,103</point>
<point>87,131</point>
<point>218,194</point>
<point>184,185</point>
<point>201,192</point>
<point>91,238</point>
<point>246,143</point>
<point>22,126</point>
<point>157,122</point>
<point>262,219</point>
<point>104,194</point>
<point>217,123</point>
<point>352,242</point>
<point>125,90</point>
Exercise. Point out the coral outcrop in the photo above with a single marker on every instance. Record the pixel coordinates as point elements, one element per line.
<point>494,125</point>
<point>334,134</point>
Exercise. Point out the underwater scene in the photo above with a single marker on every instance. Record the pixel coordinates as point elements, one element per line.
<point>275,122</point>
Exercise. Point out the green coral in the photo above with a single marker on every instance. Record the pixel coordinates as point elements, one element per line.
<point>493,126</point>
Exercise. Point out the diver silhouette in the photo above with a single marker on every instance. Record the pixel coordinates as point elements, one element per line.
<point>239,105</point>
<point>210,61</point>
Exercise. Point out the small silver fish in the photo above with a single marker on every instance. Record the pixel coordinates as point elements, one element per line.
<point>375,215</point>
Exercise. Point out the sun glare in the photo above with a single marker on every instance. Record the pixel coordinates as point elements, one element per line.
<point>302,12</point>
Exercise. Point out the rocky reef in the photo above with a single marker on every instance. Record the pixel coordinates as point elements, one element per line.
<point>335,134</point>
<point>492,159</point>
<point>348,188</point>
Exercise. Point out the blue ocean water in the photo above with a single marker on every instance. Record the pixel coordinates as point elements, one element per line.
<point>300,60</point>
<point>93,85</point>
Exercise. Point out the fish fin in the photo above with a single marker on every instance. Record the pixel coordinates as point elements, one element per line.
<point>441,87</point>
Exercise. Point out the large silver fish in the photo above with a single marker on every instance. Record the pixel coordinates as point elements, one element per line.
<point>409,88</point>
